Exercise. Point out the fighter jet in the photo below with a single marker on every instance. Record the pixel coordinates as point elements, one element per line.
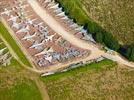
<point>7,12</point>
<point>23,13</point>
<point>16,25</point>
<point>47,74</point>
<point>79,28</point>
<point>21,6</point>
<point>50,4</point>
<point>30,21</point>
<point>28,36</point>
<point>65,18</point>
<point>61,14</point>
<point>74,25</point>
<point>43,30</point>
<point>36,45</point>
<point>2,50</point>
<point>47,1</point>
<point>45,51</point>
<point>48,58</point>
<point>58,10</point>
<point>24,29</point>
<point>55,6</point>
<point>49,38</point>
<point>89,37</point>
<point>13,18</point>
<point>37,25</point>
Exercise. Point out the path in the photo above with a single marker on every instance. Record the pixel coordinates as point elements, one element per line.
<point>42,89</point>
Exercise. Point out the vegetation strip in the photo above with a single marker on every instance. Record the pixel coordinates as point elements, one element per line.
<point>21,91</point>
<point>13,44</point>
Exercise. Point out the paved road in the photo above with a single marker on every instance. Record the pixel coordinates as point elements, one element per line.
<point>56,26</point>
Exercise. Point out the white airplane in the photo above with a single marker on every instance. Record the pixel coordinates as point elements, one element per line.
<point>50,4</point>
<point>79,28</point>
<point>70,21</point>
<point>36,45</point>
<point>2,50</point>
<point>58,10</point>
<point>74,25</point>
<point>47,1</point>
<point>30,21</point>
<point>45,51</point>
<point>55,6</point>
<point>24,29</point>
<point>65,18</point>
<point>43,29</point>
<point>7,12</point>
<point>61,14</point>
<point>16,25</point>
<point>28,36</point>
<point>42,36</point>
<point>89,37</point>
<point>49,58</point>
<point>23,13</point>
<point>13,18</point>
<point>84,31</point>
<point>47,74</point>
<point>21,6</point>
<point>36,25</point>
<point>49,38</point>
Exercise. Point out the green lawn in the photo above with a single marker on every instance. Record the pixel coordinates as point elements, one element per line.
<point>13,44</point>
<point>16,83</point>
<point>21,91</point>
<point>104,80</point>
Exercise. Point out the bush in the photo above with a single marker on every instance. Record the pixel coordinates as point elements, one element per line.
<point>130,53</point>
<point>99,37</point>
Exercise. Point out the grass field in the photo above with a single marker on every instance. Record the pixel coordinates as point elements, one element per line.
<point>98,81</point>
<point>13,44</point>
<point>115,16</point>
<point>16,84</point>
<point>24,91</point>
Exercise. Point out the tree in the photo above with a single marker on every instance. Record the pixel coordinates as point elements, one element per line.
<point>110,41</point>
<point>130,53</point>
<point>99,37</point>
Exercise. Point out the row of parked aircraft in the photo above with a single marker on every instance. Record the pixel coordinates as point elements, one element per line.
<point>26,28</point>
<point>40,36</point>
<point>5,55</point>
